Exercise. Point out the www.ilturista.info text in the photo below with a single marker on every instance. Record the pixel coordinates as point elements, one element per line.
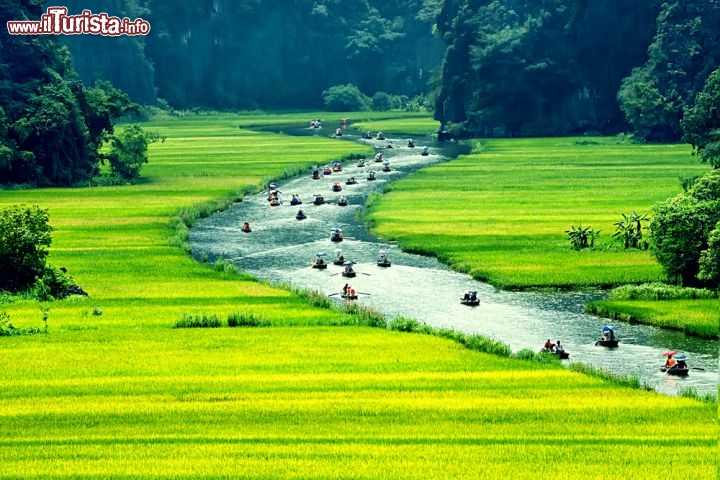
<point>57,22</point>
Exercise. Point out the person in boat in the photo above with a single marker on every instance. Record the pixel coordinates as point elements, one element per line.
<point>316,174</point>
<point>473,296</point>
<point>411,143</point>
<point>549,346</point>
<point>425,151</point>
<point>338,132</point>
<point>380,136</point>
<point>348,268</point>
<point>342,201</point>
<point>351,291</point>
<point>371,175</point>
<point>246,227</point>
<point>300,215</point>
<point>361,163</point>
<point>670,362</point>
<point>345,289</point>
<point>378,157</point>
<point>559,348</point>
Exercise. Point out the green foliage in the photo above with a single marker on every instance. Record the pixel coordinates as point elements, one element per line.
<point>201,320</point>
<point>582,237</point>
<point>701,123</point>
<point>246,320</point>
<point>128,151</point>
<point>8,330</point>
<point>681,228</point>
<point>710,259</point>
<point>680,57</point>
<point>25,235</point>
<point>52,284</point>
<point>345,98</point>
<point>629,230</point>
<point>659,291</point>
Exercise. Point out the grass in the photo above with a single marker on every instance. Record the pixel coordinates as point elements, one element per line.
<point>696,317</point>
<point>323,402</point>
<point>114,391</point>
<point>501,212</point>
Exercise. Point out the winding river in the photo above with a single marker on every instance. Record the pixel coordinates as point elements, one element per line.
<point>281,248</point>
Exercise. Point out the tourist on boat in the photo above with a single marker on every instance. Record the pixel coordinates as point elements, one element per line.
<point>345,289</point>
<point>327,171</point>
<point>473,296</point>
<point>351,291</point>
<point>549,346</point>
<point>411,143</point>
<point>378,157</point>
<point>316,174</point>
<point>300,215</point>
<point>425,151</point>
<point>380,136</point>
<point>295,199</point>
<point>348,267</point>
<point>338,132</point>
<point>246,227</point>
<point>670,362</point>
<point>559,348</point>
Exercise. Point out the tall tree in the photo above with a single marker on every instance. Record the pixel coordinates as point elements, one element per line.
<point>685,49</point>
<point>701,123</point>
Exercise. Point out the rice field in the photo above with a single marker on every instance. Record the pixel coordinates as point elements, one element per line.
<point>501,212</point>
<point>323,402</point>
<point>113,391</point>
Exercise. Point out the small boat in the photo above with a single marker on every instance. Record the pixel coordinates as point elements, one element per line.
<point>336,187</point>
<point>383,261</point>
<point>274,202</point>
<point>680,368</point>
<point>319,261</point>
<point>676,370</point>
<point>366,135</point>
<point>608,337</point>
<point>338,132</point>
<point>319,199</point>
<point>339,257</point>
<point>295,200</point>
<point>336,235</point>
<point>562,354</point>
<point>350,181</point>
<point>316,175</point>
<point>342,202</point>
<point>348,296</point>
<point>380,136</point>
<point>361,163</point>
<point>411,143</point>
<point>246,227</point>
<point>348,270</point>
<point>300,215</point>
<point>470,299</point>
<point>379,157</point>
<point>336,167</point>
<point>327,171</point>
<point>425,152</point>
<point>389,145</point>
<point>371,176</point>
<point>386,167</point>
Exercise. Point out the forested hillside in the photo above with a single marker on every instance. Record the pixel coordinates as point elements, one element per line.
<point>262,53</point>
<point>532,67</point>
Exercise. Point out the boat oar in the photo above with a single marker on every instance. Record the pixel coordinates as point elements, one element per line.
<point>364,273</point>
<point>363,293</point>
<point>698,368</point>
<point>333,294</point>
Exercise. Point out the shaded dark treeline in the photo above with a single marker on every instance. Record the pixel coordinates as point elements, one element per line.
<point>262,53</point>
<point>540,67</point>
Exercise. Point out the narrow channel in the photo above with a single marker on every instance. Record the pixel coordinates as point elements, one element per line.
<point>280,248</point>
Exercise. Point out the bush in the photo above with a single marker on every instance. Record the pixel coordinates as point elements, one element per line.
<point>8,330</point>
<point>345,98</point>
<point>188,320</point>
<point>381,102</point>
<point>246,320</point>
<point>660,291</point>
<point>25,235</point>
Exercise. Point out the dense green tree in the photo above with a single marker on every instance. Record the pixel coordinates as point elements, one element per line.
<point>701,123</point>
<point>25,235</point>
<point>128,151</point>
<point>710,259</point>
<point>684,50</point>
<point>345,98</point>
<point>681,228</point>
<point>529,67</point>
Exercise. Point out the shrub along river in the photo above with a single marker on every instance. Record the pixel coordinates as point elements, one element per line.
<point>280,248</point>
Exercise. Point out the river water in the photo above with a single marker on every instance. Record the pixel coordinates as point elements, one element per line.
<point>281,248</point>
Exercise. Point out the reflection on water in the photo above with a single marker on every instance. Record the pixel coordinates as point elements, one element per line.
<point>280,248</point>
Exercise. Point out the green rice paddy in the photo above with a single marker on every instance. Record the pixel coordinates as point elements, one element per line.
<point>113,391</point>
